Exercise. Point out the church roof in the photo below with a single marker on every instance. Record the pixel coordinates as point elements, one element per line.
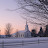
<point>22,31</point>
<point>19,32</point>
<point>14,34</point>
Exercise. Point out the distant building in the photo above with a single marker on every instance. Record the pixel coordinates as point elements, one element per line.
<point>24,33</point>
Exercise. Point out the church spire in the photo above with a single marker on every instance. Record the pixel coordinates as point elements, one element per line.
<point>26,26</point>
<point>26,21</point>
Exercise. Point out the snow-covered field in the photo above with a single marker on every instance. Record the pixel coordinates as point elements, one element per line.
<point>36,42</point>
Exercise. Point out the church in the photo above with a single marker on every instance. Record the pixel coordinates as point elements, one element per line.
<point>24,33</point>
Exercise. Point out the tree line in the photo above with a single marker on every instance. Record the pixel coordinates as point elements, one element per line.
<point>41,33</point>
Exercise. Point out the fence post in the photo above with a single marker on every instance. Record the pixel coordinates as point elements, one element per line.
<point>38,41</point>
<point>3,44</point>
<point>22,43</point>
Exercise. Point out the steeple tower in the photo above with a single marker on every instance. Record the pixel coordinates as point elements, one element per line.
<point>26,26</point>
<point>26,21</point>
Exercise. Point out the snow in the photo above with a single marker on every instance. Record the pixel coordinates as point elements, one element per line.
<point>36,1</point>
<point>22,31</point>
<point>36,42</point>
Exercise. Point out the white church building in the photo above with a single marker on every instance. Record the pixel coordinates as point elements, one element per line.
<point>24,33</point>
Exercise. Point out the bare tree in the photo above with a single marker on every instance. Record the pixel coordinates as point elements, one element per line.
<point>8,30</point>
<point>40,5</point>
<point>37,7</point>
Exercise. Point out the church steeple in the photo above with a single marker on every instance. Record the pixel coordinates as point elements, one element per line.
<point>26,21</point>
<point>26,26</point>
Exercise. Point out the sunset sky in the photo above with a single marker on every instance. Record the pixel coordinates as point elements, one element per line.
<point>13,17</point>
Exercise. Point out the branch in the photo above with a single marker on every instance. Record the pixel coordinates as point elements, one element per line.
<point>37,23</point>
<point>34,22</point>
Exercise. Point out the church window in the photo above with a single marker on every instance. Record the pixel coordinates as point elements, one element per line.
<point>21,35</point>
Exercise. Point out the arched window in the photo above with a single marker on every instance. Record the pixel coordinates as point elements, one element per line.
<point>21,35</point>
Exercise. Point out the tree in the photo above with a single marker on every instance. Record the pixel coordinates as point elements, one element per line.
<point>41,34</point>
<point>33,33</point>
<point>39,4</point>
<point>31,7</point>
<point>44,1</point>
<point>46,31</point>
<point>8,30</point>
<point>38,7</point>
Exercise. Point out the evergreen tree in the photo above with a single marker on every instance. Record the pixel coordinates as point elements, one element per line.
<point>40,32</point>
<point>33,33</point>
<point>46,31</point>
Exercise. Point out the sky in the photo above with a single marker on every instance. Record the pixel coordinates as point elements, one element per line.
<point>13,17</point>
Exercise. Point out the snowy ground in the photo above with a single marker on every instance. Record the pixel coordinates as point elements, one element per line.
<point>24,42</point>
